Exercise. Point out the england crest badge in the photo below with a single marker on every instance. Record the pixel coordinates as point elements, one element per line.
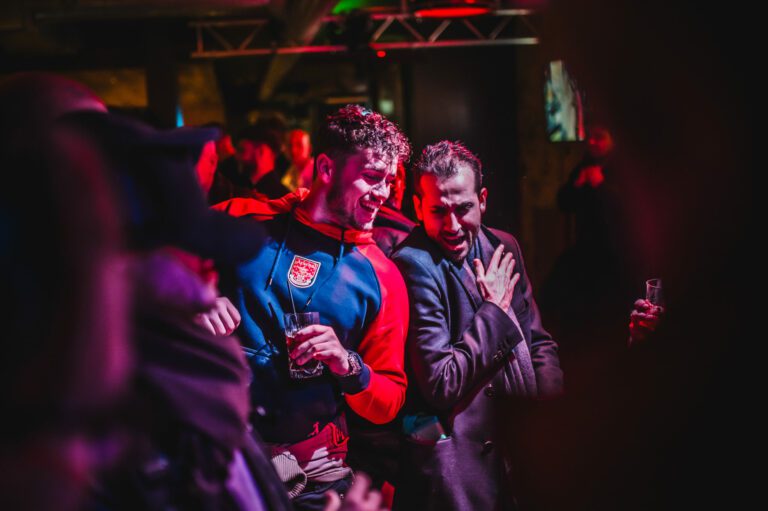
<point>303,271</point>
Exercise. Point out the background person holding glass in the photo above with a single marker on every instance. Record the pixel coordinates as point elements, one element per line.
<point>647,313</point>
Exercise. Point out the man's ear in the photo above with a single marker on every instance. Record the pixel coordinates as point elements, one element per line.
<point>417,207</point>
<point>324,167</point>
<point>483,197</point>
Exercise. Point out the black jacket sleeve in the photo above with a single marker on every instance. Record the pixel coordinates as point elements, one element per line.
<point>546,363</point>
<point>447,370</point>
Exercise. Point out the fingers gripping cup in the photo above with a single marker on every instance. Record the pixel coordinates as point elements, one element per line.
<point>295,321</point>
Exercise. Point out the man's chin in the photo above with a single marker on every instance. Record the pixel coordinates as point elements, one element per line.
<point>365,223</point>
<point>455,254</point>
<point>361,225</point>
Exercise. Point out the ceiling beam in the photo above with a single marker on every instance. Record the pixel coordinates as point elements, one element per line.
<point>390,32</point>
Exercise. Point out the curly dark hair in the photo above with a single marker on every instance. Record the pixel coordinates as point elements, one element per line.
<point>354,127</point>
<point>443,160</point>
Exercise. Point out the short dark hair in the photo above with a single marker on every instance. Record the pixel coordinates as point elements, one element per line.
<point>443,160</point>
<point>354,127</point>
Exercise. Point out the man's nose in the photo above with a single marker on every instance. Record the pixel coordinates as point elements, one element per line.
<point>452,223</point>
<point>380,191</point>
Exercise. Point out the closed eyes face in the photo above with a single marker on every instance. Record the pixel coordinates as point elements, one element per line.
<point>451,211</point>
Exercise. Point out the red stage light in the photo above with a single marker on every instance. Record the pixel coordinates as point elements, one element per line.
<point>452,12</point>
<point>451,8</point>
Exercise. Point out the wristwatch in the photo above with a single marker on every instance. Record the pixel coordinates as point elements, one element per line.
<point>355,364</point>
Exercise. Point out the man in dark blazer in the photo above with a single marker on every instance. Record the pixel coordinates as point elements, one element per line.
<point>475,339</point>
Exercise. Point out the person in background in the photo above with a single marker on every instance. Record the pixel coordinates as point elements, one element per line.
<point>256,160</point>
<point>300,173</point>
<point>593,281</point>
<point>224,182</point>
<point>586,193</point>
<point>206,166</point>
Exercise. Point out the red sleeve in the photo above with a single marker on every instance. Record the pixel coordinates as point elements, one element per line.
<point>382,348</point>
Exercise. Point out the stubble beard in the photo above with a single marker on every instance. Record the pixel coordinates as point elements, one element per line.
<point>342,216</point>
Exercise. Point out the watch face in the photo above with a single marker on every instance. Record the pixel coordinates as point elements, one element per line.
<point>354,365</point>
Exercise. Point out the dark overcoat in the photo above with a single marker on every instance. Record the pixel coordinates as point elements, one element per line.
<point>465,356</point>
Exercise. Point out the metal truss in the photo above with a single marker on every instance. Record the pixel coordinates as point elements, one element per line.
<point>238,38</point>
